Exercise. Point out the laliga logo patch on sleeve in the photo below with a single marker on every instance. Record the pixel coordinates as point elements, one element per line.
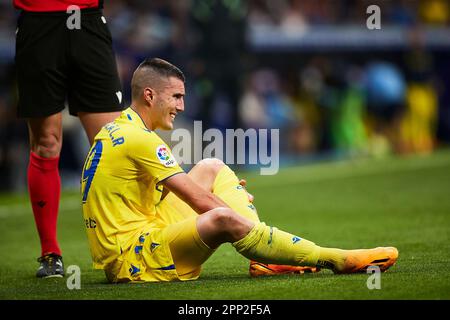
<point>165,157</point>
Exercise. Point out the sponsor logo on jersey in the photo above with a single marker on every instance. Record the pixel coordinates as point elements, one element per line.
<point>295,240</point>
<point>165,157</point>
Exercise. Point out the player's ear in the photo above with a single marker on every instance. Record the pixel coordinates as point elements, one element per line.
<point>149,95</point>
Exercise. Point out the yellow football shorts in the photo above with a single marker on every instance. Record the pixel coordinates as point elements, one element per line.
<point>171,249</point>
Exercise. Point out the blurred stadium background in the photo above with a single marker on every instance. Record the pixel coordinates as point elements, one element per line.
<point>311,68</point>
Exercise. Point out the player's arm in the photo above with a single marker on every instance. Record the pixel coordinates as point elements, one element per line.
<point>194,195</point>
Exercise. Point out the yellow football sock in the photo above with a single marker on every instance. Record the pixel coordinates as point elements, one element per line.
<point>331,258</point>
<point>226,187</point>
<point>270,245</point>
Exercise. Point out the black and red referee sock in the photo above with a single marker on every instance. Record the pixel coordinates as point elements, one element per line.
<point>44,187</point>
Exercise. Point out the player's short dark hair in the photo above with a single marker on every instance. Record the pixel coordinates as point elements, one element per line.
<point>149,70</point>
<point>163,67</point>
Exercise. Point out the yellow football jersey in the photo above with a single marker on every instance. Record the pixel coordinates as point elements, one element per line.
<point>119,186</point>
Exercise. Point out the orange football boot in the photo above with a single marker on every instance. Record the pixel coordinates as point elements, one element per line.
<point>261,269</point>
<point>359,260</point>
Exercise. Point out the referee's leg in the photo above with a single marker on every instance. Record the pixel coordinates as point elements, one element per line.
<point>46,135</point>
<point>44,183</point>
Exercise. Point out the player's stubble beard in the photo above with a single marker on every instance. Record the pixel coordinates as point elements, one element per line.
<point>165,119</point>
<point>167,124</point>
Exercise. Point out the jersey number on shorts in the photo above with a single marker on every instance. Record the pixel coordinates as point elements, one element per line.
<point>90,167</point>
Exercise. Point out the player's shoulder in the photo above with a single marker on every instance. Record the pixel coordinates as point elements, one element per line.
<point>136,135</point>
<point>141,138</point>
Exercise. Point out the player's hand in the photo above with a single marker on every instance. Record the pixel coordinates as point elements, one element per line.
<point>243,183</point>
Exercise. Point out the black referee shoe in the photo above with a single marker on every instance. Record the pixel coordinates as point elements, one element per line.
<point>51,266</point>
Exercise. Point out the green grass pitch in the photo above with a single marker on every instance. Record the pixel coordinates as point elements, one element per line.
<point>402,202</point>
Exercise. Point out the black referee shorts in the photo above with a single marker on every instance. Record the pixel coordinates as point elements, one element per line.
<point>55,63</point>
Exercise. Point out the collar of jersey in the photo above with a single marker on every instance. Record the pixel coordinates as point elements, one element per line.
<point>136,119</point>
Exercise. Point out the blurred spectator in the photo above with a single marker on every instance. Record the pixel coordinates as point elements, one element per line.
<point>418,126</point>
<point>419,122</point>
<point>219,27</point>
<point>435,12</point>
<point>265,105</point>
<point>347,126</point>
<point>304,96</point>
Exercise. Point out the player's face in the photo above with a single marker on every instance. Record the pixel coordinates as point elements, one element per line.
<point>170,101</point>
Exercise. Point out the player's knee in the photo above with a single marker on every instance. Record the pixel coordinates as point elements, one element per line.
<point>221,217</point>
<point>228,224</point>
<point>213,165</point>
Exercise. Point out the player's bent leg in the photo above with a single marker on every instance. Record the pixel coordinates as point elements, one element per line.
<point>255,241</point>
<point>218,178</point>
<point>44,186</point>
<point>205,172</point>
<point>306,257</point>
<point>222,225</point>
<point>93,122</point>
<point>215,176</point>
<point>226,186</point>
